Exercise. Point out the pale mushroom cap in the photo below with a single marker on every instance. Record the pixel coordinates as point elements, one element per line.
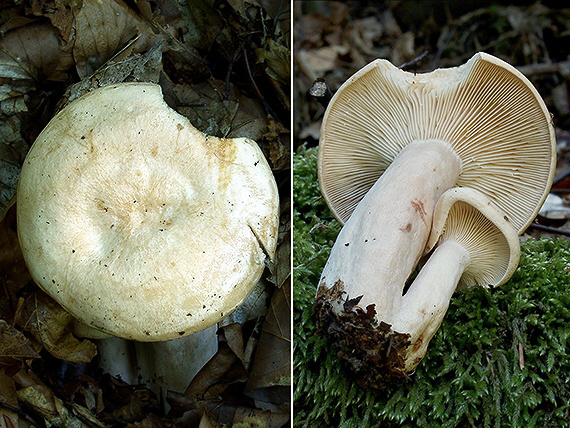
<point>469,218</point>
<point>137,223</point>
<point>486,109</point>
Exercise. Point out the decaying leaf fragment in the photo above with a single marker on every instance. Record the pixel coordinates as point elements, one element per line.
<point>50,325</point>
<point>14,346</point>
<point>29,54</point>
<point>278,60</point>
<point>270,378</point>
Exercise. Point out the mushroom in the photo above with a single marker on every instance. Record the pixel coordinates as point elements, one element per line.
<point>476,245</point>
<point>392,143</point>
<point>137,223</point>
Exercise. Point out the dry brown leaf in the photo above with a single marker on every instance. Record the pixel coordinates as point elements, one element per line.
<point>8,397</point>
<point>278,60</point>
<point>14,346</point>
<point>278,139</point>
<point>246,417</point>
<point>12,266</point>
<point>234,338</point>
<point>50,325</point>
<point>139,405</point>
<point>102,29</point>
<point>221,414</point>
<point>272,364</point>
<point>132,402</point>
<point>281,269</point>
<point>9,173</point>
<point>208,107</point>
<point>59,12</point>
<point>40,399</point>
<point>222,370</point>
<point>250,121</point>
<point>135,68</point>
<point>33,52</point>
<point>203,21</point>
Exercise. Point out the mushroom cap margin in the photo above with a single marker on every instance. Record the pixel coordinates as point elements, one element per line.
<point>467,216</point>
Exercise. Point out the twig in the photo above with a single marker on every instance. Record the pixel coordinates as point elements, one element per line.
<point>20,413</point>
<point>268,108</point>
<point>417,59</point>
<point>230,71</point>
<point>321,92</point>
<point>549,229</point>
<point>562,67</point>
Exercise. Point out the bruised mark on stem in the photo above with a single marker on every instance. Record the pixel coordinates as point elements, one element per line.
<point>408,228</point>
<point>419,207</point>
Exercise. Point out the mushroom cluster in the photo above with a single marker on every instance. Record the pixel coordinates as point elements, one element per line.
<point>441,170</point>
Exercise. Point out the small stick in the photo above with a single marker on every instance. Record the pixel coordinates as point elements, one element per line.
<point>549,229</point>
<point>414,61</point>
<point>321,92</point>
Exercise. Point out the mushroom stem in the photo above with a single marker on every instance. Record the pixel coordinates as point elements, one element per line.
<point>382,241</point>
<point>425,303</point>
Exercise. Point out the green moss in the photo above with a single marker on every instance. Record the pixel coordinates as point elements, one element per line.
<point>472,374</point>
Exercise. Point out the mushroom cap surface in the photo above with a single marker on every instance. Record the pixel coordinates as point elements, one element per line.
<point>486,109</point>
<point>469,218</point>
<point>137,223</point>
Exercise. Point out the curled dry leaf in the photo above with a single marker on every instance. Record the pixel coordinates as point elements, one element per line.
<point>135,68</point>
<point>233,334</point>
<point>223,369</point>
<point>280,270</point>
<point>40,399</point>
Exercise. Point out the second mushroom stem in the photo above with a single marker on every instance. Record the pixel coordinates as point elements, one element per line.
<point>428,298</point>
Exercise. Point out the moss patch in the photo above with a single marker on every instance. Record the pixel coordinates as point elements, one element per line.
<point>500,358</point>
